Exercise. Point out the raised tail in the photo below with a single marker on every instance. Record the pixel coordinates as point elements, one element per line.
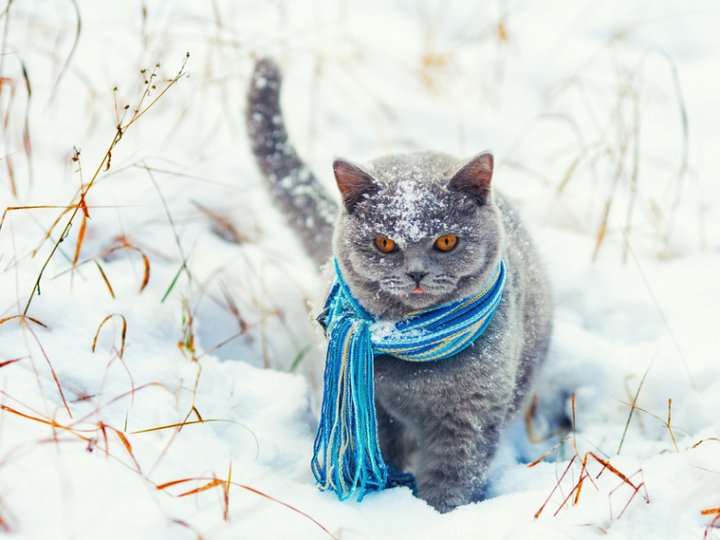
<point>307,206</point>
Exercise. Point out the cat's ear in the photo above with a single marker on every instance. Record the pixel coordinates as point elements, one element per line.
<point>353,182</point>
<point>474,177</point>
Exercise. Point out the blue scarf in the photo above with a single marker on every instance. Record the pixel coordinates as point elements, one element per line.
<point>347,455</point>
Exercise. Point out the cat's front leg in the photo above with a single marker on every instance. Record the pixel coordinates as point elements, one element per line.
<point>455,448</point>
<point>391,434</point>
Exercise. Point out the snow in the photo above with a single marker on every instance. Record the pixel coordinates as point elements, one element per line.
<point>406,206</point>
<point>581,107</point>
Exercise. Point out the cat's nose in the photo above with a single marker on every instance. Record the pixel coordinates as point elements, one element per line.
<point>417,276</point>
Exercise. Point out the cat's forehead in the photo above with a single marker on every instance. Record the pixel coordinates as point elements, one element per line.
<point>411,208</point>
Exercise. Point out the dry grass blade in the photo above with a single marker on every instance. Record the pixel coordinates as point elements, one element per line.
<point>125,442</point>
<point>574,432</point>
<point>47,360</point>
<point>172,483</point>
<point>209,485</point>
<point>54,224</point>
<point>81,237</point>
<point>11,175</point>
<point>104,277</point>
<point>11,361</point>
<point>602,229</point>
<point>76,40</point>
<point>214,482</point>
<point>178,426</point>
<point>175,235</point>
<point>569,172</point>
<point>707,439</point>
<point>187,343</point>
<point>4,525</point>
<point>32,207</point>
<point>52,423</point>
<point>26,141</point>
<point>23,318</point>
<point>226,493</point>
<point>65,209</point>
<point>117,398</point>
<point>222,226</point>
<point>556,487</point>
<point>101,426</point>
<point>549,452</point>
<point>286,505</point>
<point>123,332</point>
<point>533,437</point>
<point>185,524</point>
<point>659,310</point>
<point>667,425</point>
<point>233,307</point>
<point>715,521</point>
<point>635,492</point>
<point>4,518</point>
<point>633,405</point>
<point>146,260</point>
<point>183,424</point>
<point>173,282</point>
<point>197,413</point>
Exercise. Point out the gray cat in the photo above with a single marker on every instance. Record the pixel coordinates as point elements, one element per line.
<point>416,231</point>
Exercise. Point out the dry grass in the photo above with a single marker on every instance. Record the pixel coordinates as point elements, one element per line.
<point>714,522</point>
<point>208,483</point>
<point>10,85</point>
<point>95,434</point>
<point>606,130</point>
<point>73,222</point>
<point>587,472</point>
<point>5,518</point>
<point>121,129</point>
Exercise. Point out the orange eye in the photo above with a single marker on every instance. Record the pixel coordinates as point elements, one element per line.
<point>385,244</point>
<point>446,243</point>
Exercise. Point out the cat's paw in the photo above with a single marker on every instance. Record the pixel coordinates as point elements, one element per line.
<point>445,500</point>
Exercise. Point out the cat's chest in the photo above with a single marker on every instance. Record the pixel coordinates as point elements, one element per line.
<point>405,387</point>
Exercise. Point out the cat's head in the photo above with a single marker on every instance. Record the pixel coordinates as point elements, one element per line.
<point>417,230</point>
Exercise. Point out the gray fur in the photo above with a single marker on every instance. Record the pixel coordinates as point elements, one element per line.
<point>442,419</point>
<point>310,210</point>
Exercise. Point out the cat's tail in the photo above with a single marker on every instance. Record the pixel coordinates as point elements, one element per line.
<point>307,206</point>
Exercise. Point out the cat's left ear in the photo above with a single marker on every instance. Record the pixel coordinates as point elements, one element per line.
<point>474,178</point>
<point>353,182</point>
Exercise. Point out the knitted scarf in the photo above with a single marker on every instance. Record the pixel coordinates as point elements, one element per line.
<point>347,456</point>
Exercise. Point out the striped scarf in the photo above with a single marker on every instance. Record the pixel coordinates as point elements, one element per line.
<point>347,456</point>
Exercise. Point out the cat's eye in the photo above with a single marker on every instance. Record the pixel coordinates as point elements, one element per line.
<point>385,245</point>
<point>446,243</point>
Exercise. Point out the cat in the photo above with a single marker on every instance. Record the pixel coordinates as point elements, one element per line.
<point>415,231</point>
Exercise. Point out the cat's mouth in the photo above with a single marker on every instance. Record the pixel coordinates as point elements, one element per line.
<point>417,295</point>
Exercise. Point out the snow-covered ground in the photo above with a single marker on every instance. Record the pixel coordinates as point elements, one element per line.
<point>603,119</point>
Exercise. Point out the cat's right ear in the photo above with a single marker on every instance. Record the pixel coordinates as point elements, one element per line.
<point>353,182</point>
<point>474,178</point>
